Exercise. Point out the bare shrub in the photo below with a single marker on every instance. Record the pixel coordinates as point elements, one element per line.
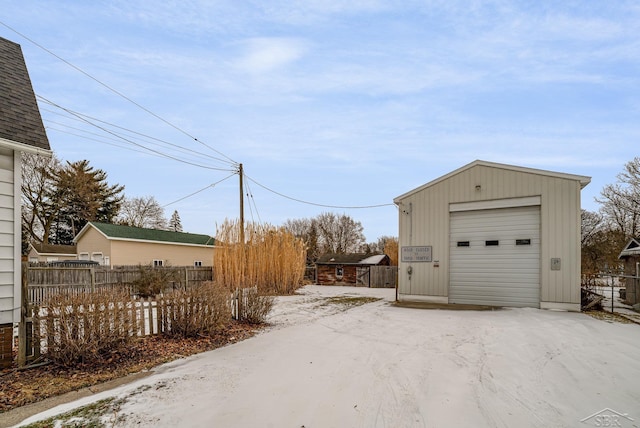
<point>253,307</point>
<point>85,327</point>
<point>199,310</point>
<point>153,280</point>
<point>271,259</point>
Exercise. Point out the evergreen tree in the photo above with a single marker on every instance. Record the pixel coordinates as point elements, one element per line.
<point>85,196</point>
<point>174,222</point>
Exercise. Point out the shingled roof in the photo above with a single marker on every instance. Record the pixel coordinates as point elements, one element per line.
<point>129,233</point>
<point>350,259</point>
<point>20,120</point>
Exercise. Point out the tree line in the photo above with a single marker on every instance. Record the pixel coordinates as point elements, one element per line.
<point>605,232</point>
<point>58,200</point>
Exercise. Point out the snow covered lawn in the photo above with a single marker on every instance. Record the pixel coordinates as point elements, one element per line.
<point>326,364</point>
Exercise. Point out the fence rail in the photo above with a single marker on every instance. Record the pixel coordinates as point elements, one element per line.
<point>43,282</point>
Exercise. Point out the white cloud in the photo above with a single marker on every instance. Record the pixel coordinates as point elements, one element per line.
<point>264,54</point>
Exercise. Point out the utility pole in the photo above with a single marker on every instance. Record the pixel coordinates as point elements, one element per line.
<point>241,174</point>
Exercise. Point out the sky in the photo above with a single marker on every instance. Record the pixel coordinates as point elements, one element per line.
<point>329,105</point>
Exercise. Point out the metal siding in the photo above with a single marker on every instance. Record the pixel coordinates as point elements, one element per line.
<point>559,232</point>
<point>503,275</point>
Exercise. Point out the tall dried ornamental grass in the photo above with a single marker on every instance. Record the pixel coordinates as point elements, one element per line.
<point>391,250</point>
<point>85,328</point>
<point>271,259</point>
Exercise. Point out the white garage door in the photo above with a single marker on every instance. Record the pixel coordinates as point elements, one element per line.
<point>495,257</point>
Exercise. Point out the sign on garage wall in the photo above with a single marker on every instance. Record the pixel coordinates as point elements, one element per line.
<point>415,254</point>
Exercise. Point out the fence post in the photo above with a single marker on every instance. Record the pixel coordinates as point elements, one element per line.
<point>22,327</point>
<point>92,274</point>
<point>186,277</point>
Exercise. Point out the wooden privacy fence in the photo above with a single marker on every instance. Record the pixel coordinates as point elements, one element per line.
<point>43,282</point>
<point>377,276</point>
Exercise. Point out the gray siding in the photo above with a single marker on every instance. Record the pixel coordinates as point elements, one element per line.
<point>428,224</point>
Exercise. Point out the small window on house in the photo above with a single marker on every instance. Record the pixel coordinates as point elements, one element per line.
<point>339,272</point>
<point>197,263</point>
<point>492,243</point>
<point>157,263</point>
<point>83,256</point>
<point>523,241</point>
<point>463,243</point>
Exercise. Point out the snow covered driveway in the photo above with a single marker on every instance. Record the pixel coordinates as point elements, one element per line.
<point>378,365</point>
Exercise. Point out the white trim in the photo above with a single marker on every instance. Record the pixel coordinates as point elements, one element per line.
<point>17,236</point>
<point>528,201</point>
<point>584,180</point>
<point>418,298</point>
<point>555,306</point>
<point>25,148</point>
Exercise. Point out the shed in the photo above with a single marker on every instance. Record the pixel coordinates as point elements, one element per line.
<point>21,130</point>
<point>492,234</point>
<point>630,255</point>
<point>44,253</point>
<point>347,269</point>
<point>117,245</point>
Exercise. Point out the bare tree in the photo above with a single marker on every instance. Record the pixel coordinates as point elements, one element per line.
<point>142,211</point>
<point>40,206</point>
<point>339,234</point>
<point>305,229</point>
<point>621,201</point>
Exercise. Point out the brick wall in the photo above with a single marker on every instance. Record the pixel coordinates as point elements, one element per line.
<point>6,345</point>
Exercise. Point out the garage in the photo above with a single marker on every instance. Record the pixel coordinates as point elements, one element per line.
<point>492,234</point>
<point>495,257</point>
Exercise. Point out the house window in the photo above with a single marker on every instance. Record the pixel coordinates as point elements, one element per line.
<point>463,243</point>
<point>197,263</point>
<point>492,243</point>
<point>339,272</point>
<point>158,263</point>
<point>83,256</point>
<point>523,241</point>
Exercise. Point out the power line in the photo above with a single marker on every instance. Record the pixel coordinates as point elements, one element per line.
<point>313,203</point>
<point>133,142</point>
<point>75,118</point>
<point>120,94</point>
<point>198,191</point>
<point>252,200</point>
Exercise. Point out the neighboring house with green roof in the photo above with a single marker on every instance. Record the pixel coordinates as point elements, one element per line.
<point>116,245</point>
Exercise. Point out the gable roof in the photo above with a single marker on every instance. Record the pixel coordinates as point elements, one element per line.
<point>20,120</point>
<point>351,259</point>
<point>631,249</point>
<point>584,180</point>
<point>129,233</point>
<point>54,249</point>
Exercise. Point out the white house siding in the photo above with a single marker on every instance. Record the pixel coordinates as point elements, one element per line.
<point>9,266</point>
<point>424,220</point>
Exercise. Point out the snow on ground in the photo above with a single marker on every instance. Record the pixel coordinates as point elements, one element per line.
<point>380,365</point>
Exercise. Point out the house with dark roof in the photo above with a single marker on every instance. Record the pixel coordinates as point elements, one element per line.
<point>21,131</point>
<point>117,245</point>
<point>630,256</point>
<point>45,253</point>
<point>348,269</point>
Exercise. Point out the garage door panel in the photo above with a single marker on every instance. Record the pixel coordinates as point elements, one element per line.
<point>505,274</point>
